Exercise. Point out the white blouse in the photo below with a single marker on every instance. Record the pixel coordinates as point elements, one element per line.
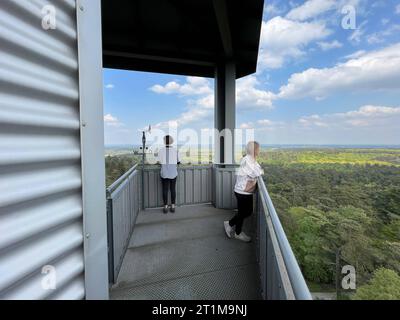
<point>169,159</point>
<point>249,170</point>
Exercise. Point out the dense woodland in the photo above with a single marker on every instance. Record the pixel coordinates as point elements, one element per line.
<point>117,165</point>
<point>352,211</point>
<point>338,207</point>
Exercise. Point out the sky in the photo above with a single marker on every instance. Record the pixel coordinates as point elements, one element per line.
<point>328,73</point>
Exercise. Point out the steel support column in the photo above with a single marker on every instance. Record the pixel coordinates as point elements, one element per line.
<point>92,150</point>
<point>225,112</point>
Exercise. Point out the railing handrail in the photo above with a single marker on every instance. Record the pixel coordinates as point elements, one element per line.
<point>227,164</point>
<point>296,277</point>
<point>120,180</point>
<point>154,167</point>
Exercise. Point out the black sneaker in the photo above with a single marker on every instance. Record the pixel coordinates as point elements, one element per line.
<point>172,208</point>
<point>165,210</point>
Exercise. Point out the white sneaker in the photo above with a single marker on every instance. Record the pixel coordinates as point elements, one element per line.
<point>228,229</point>
<point>242,237</point>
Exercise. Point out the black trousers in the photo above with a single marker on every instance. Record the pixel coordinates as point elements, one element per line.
<point>245,209</point>
<point>168,185</point>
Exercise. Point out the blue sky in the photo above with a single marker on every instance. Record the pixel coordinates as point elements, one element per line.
<point>316,82</point>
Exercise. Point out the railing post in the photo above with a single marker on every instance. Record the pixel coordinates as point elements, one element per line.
<point>110,239</point>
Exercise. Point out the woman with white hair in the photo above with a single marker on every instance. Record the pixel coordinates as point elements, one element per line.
<point>246,183</point>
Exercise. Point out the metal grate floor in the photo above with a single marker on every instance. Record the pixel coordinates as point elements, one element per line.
<point>187,255</point>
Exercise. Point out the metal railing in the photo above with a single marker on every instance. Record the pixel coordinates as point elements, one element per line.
<point>123,206</point>
<point>224,178</point>
<point>193,185</point>
<point>196,184</point>
<point>281,277</point>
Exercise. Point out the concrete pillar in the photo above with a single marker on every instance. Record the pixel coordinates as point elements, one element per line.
<point>225,112</point>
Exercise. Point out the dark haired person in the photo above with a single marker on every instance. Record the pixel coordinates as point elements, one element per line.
<point>246,183</point>
<point>169,159</point>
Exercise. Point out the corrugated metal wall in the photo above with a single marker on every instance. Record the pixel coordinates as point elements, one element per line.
<point>224,181</point>
<point>193,186</point>
<point>40,170</point>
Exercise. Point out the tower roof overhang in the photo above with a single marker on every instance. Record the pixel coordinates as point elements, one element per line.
<point>187,37</point>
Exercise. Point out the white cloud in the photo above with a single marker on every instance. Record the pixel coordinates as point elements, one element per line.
<point>398,9</point>
<point>110,86</point>
<point>206,102</point>
<point>369,124</point>
<point>247,125</point>
<point>193,114</point>
<point>314,120</point>
<point>374,38</point>
<point>272,9</point>
<point>375,111</point>
<point>265,122</point>
<point>249,96</point>
<point>269,125</point>
<point>197,108</point>
<point>380,36</point>
<point>325,46</point>
<point>112,121</point>
<point>311,9</point>
<point>358,33</point>
<point>355,55</point>
<point>365,116</point>
<point>376,70</point>
<point>263,125</point>
<point>283,39</point>
<point>193,86</point>
<point>361,6</point>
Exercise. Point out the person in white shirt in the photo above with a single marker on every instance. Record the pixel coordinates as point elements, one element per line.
<point>246,183</point>
<point>168,157</point>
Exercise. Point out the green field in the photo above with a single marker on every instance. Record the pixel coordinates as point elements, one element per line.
<point>385,157</point>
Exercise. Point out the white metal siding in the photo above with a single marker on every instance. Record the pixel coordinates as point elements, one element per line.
<point>224,179</point>
<point>40,153</point>
<point>193,186</point>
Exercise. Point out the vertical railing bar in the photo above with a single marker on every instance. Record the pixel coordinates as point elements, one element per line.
<point>178,189</point>
<point>201,185</point>
<point>193,177</point>
<point>110,235</point>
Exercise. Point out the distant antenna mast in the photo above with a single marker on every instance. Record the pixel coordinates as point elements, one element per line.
<point>144,158</point>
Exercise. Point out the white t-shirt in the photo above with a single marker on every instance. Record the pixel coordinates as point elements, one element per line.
<point>168,158</point>
<point>249,170</point>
